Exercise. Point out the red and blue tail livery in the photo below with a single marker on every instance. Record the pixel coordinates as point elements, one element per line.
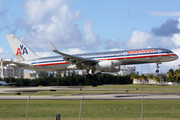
<point>21,50</point>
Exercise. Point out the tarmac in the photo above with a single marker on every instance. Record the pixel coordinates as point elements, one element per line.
<point>123,96</point>
<point>93,97</point>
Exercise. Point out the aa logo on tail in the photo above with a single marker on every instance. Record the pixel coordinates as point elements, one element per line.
<point>21,50</point>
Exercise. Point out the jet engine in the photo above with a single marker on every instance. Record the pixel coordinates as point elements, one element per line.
<point>107,66</point>
<point>68,59</point>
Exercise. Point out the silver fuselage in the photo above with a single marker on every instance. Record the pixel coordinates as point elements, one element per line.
<point>125,57</point>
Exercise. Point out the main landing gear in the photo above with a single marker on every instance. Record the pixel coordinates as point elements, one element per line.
<point>91,76</point>
<point>93,79</point>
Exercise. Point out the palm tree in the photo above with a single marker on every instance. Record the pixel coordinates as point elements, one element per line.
<point>135,77</point>
<point>143,78</point>
<point>177,75</point>
<point>157,79</point>
<point>150,77</point>
<point>43,74</point>
<point>170,75</point>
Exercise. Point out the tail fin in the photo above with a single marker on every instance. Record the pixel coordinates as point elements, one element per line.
<point>20,50</point>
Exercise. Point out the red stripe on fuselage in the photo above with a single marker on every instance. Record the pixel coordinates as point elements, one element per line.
<point>121,58</point>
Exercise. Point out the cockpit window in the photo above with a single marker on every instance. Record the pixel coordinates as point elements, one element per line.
<point>169,52</point>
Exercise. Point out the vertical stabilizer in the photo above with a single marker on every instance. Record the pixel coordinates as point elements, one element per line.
<point>20,50</point>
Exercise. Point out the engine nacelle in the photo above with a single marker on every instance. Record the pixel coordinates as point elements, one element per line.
<point>114,69</point>
<point>68,59</point>
<point>108,66</point>
<point>104,65</point>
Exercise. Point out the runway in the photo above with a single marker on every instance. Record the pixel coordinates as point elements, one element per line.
<point>4,94</point>
<point>93,97</point>
<point>36,89</point>
<point>62,88</point>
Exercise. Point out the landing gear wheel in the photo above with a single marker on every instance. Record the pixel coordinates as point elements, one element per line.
<point>94,76</point>
<point>157,71</point>
<point>88,76</point>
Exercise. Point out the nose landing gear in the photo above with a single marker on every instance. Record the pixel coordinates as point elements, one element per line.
<point>157,71</point>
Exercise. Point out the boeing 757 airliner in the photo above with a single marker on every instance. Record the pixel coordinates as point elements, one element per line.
<point>91,62</point>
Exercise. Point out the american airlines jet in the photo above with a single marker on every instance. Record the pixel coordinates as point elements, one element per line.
<point>91,62</point>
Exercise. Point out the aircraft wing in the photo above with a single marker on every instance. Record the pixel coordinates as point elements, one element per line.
<point>69,58</point>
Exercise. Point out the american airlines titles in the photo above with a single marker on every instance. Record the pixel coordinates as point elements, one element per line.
<point>141,51</point>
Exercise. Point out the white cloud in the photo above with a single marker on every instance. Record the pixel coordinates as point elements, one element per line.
<point>1,50</point>
<point>115,49</point>
<point>70,51</point>
<point>138,39</point>
<point>178,26</point>
<point>176,39</point>
<point>5,55</point>
<point>46,21</point>
<point>45,54</point>
<point>157,13</point>
<point>75,51</point>
<point>91,39</point>
<point>164,42</point>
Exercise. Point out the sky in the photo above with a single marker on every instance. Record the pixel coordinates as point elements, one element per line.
<point>83,26</point>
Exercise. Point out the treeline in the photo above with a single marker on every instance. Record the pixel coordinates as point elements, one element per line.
<point>173,75</point>
<point>74,80</point>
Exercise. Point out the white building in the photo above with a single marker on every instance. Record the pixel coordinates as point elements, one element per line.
<point>32,75</point>
<point>7,71</point>
<point>130,70</point>
<point>178,67</point>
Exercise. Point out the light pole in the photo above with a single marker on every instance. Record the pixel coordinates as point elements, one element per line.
<point>142,104</point>
<point>28,107</point>
<point>80,108</point>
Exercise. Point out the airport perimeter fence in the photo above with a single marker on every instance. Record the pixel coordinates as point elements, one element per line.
<point>90,109</point>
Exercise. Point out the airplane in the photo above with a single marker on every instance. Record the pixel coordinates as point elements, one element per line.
<point>91,62</point>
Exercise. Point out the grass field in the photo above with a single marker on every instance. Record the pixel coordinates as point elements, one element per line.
<point>134,86</point>
<point>95,109</point>
<point>91,109</point>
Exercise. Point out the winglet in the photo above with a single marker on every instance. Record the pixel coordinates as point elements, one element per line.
<point>55,50</point>
<point>52,47</point>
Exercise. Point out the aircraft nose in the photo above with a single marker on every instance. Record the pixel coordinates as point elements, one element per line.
<point>177,56</point>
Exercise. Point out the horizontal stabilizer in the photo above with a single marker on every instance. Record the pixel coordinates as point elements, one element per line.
<point>16,63</point>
